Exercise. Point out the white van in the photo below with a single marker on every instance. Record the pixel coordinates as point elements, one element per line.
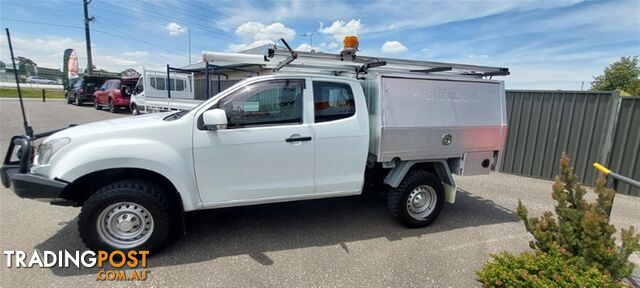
<point>153,93</point>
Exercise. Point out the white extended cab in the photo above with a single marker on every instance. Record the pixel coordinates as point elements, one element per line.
<point>272,138</point>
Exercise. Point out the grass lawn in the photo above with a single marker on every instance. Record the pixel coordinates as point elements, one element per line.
<point>31,93</point>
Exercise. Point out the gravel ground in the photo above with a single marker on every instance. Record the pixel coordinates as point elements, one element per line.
<point>349,242</point>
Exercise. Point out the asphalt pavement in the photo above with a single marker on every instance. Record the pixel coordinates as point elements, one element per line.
<point>346,242</point>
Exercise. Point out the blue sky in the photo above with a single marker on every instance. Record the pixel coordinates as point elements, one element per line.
<point>546,44</point>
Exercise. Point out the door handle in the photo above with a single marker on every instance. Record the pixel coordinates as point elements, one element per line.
<point>297,139</point>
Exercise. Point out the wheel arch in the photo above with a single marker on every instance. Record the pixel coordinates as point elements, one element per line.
<point>440,168</point>
<point>82,188</point>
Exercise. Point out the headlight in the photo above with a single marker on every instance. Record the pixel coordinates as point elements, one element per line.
<point>47,150</point>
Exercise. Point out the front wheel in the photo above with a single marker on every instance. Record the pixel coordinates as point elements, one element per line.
<point>127,215</point>
<point>78,102</point>
<point>418,200</point>
<point>96,105</point>
<point>135,110</point>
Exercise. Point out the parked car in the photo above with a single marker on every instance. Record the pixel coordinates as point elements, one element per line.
<point>114,94</point>
<point>39,80</point>
<point>83,88</point>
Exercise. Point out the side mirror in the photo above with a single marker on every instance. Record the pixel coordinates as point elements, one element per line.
<point>215,119</point>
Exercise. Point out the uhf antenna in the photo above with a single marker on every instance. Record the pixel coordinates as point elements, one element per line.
<point>27,129</point>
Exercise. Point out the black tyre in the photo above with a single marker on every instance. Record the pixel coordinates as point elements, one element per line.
<point>77,101</point>
<point>66,96</point>
<point>135,110</point>
<point>127,215</point>
<point>418,200</point>
<point>112,108</point>
<point>96,105</point>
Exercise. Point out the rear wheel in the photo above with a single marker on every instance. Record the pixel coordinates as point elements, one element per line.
<point>418,200</point>
<point>127,215</point>
<point>112,108</point>
<point>66,96</point>
<point>77,101</point>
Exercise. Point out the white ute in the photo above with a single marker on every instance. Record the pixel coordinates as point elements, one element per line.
<point>299,133</point>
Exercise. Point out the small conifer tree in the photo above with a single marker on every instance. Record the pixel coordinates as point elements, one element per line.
<point>581,228</point>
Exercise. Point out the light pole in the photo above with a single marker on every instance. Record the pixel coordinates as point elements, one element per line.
<point>310,36</point>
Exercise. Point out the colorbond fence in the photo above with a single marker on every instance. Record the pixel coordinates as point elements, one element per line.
<point>591,126</point>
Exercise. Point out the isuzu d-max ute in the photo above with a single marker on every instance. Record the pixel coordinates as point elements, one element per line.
<point>292,135</point>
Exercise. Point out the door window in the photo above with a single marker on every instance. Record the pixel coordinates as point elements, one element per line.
<point>332,101</point>
<point>139,87</point>
<point>265,103</point>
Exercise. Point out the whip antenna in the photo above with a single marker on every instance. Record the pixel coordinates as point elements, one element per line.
<point>27,129</point>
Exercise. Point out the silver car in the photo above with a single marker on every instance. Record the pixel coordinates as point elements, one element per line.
<point>39,80</point>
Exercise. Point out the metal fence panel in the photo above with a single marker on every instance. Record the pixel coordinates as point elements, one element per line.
<point>625,153</point>
<point>543,124</point>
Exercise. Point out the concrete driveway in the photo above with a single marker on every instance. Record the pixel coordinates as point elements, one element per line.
<point>349,242</point>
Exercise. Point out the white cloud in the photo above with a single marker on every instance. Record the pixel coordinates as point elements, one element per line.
<point>48,51</point>
<point>279,11</point>
<point>393,47</point>
<point>244,46</point>
<point>322,47</point>
<point>136,53</point>
<point>339,28</point>
<point>258,31</point>
<point>307,48</point>
<point>261,34</point>
<point>174,29</point>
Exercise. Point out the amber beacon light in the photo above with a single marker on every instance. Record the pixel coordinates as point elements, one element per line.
<point>350,47</point>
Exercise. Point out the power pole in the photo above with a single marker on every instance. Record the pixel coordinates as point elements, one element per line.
<point>189,44</point>
<point>87,34</point>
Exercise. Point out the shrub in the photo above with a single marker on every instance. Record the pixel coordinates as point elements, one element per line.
<point>581,229</point>
<point>540,269</point>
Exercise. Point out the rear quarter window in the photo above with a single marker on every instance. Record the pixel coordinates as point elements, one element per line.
<point>332,101</point>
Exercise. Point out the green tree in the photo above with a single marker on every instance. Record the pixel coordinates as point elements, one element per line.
<point>623,74</point>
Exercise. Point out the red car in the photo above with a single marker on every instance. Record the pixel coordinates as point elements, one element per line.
<point>114,94</point>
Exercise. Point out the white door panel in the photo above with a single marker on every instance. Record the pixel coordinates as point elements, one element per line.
<point>254,158</point>
<point>253,163</point>
<point>341,144</point>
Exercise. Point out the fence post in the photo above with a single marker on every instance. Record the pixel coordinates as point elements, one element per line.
<point>611,125</point>
<point>43,97</point>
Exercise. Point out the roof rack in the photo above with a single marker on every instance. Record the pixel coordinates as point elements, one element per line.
<point>361,64</point>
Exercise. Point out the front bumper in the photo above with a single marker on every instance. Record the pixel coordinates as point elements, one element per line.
<point>16,175</point>
<point>32,186</point>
